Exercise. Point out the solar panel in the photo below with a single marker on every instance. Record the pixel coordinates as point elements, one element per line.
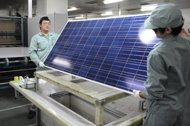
<point>108,51</point>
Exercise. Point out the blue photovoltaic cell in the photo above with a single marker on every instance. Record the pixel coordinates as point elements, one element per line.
<point>108,51</point>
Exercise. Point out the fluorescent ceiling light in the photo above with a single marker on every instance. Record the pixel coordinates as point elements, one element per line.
<point>80,17</point>
<point>107,13</point>
<point>72,9</point>
<point>148,7</point>
<point>111,1</point>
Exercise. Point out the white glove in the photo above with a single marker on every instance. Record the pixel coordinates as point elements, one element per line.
<point>41,64</point>
<point>22,82</point>
<point>136,93</point>
<point>21,79</point>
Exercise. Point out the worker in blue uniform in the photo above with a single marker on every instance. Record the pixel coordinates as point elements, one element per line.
<point>168,69</point>
<point>42,43</point>
<point>40,46</point>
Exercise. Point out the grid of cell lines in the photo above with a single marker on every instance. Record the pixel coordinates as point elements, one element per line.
<point>108,51</point>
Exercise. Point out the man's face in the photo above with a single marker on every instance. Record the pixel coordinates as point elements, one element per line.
<point>45,26</point>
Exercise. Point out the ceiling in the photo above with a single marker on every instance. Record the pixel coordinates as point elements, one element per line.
<point>96,7</point>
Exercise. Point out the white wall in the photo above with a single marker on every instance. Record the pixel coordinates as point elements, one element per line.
<point>57,6</point>
<point>4,12</point>
<point>41,7</point>
<point>187,18</point>
<point>45,7</point>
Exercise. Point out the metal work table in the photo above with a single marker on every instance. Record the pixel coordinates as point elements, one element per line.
<point>59,113</point>
<point>10,52</point>
<point>93,93</point>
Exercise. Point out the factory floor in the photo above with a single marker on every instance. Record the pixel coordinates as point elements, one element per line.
<point>13,112</point>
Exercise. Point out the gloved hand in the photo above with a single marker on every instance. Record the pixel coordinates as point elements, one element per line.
<point>136,93</point>
<point>41,64</point>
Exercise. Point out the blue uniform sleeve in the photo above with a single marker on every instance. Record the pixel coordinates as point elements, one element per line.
<point>156,77</point>
<point>56,36</point>
<point>33,51</point>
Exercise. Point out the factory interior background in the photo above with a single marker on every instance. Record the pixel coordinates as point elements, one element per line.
<point>62,98</point>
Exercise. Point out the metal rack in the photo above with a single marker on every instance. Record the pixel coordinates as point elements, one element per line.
<point>13,31</point>
<point>21,66</point>
<point>15,61</point>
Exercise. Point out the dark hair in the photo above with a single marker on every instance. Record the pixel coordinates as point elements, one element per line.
<point>161,30</point>
<point>44,18</point>
<point>175,31</point>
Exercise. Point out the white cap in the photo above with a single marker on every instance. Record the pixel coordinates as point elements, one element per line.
<point>165,15</point>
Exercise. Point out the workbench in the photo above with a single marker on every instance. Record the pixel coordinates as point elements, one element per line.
<point>59,113</point>
<point>96,94</point>
<point>91,93</point>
